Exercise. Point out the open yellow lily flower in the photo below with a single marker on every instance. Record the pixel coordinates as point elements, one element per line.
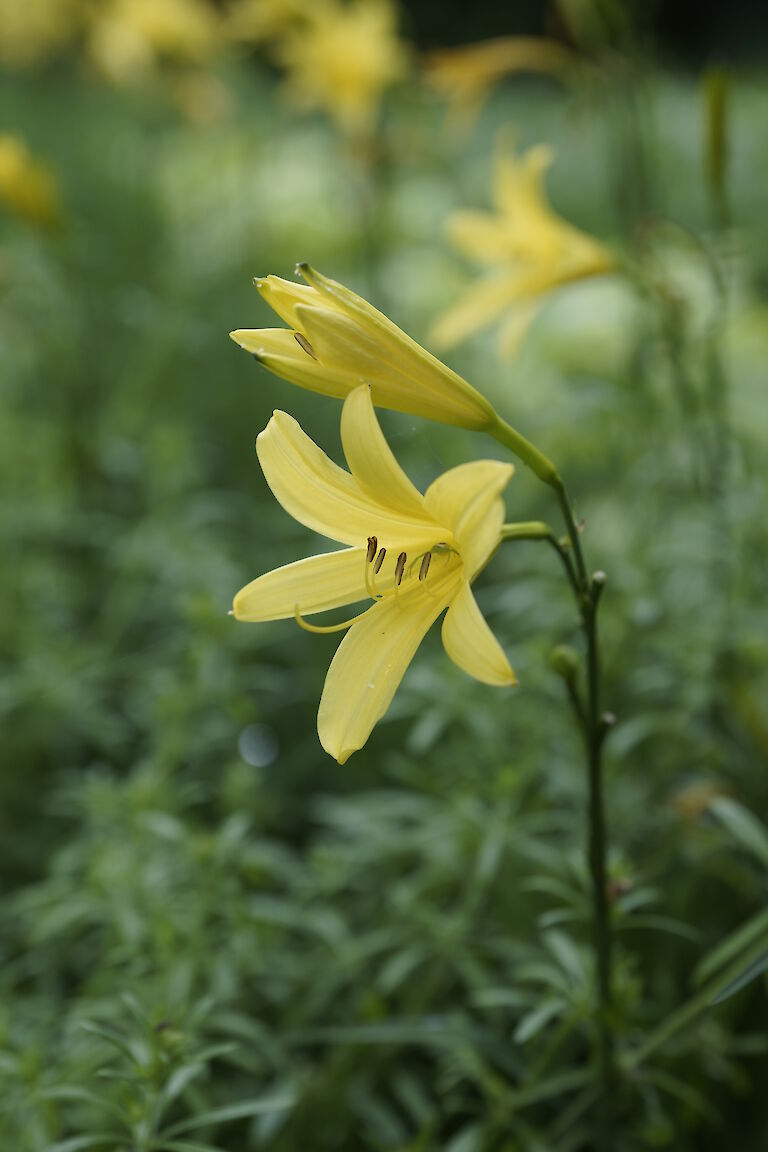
<point>338,341</point>
<point>341,58</point>
<point>531,250</point>
<point>34,30</point>
<point>414,556</point>
<point>129,37</point>
<point>27,187</point>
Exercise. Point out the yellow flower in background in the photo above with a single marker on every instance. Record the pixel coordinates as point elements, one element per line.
<point>337,341</point>
<point>128,37</point>
<point>465,76</point>
<point>530,250</point>
<point>414,556</point>
<point>33,30</point>
<point>342,57</point>
<point>256,21</point>
<point>27,187</point>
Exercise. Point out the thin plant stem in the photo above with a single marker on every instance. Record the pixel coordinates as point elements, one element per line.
<point>587,596</point>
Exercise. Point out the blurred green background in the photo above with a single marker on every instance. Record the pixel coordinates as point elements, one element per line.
<point>213,936</point>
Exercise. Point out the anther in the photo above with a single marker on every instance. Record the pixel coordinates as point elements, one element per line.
<point>425,565</point>
<point>303,343</point>
<point>400,567</point>
<point>372,546</point>
<point>379,560</point>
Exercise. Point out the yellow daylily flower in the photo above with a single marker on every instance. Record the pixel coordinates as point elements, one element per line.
<point>530,250</point>
<point>27,187</point>
<point>414,556</point>
<point>257,21</point>
<point>341,58</point>
<point>465,76</point>
<point>337,341</point>
<point>129,37</point>
<point>33,30</point>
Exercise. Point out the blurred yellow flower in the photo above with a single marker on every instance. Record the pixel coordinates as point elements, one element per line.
<point>465,76</point>
<point>256,21</point>
<point>128,37</point>
<point>414,556</point>
<point>337,340</point>
<point>531,250</point>
<point>33,30</point>
<point>27,187</point>
<point>342,57</point>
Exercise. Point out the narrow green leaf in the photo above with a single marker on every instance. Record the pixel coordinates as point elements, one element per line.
<point>745,827</point>
<point>275,1103</point>
<point>750,973</point>
<point>533,1022</point>
<point>729,948</point>
<point>110,1140</point>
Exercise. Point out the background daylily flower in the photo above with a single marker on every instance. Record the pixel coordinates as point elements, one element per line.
<point>338,341</point>
<point>342,57</point>
<point>27,187</point>
<point>414,556</point>
<point>464,76</point>
<point>531,250</point>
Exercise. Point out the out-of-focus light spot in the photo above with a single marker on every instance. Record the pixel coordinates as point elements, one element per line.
<point>258,745</point>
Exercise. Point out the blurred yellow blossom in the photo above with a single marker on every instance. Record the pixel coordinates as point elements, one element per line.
<point>33,30</point>
<point>342,57</point>
<point>257,21</point>
<point>530,250</point>
<point>27,187</point>
<point>465,76</point>
<point>413,555</point>
<point>128,37</point>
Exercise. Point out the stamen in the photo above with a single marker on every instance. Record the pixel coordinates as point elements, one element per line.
<point>400,567</point>
<point>372,546</point>
<point>326,628</point>
<point>379,560</point>
<point>302,342</point>
<point>425,565</point>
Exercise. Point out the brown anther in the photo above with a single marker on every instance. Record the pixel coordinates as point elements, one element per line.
<point>425,565</point>
<point>303,343</point>
<point>400,567</point>
<point>379,560</point>
<point>372,546</point>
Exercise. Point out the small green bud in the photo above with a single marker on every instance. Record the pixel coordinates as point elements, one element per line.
<point>565,661</point>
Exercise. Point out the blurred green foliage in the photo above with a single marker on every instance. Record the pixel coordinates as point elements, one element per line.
<point>211,935</point>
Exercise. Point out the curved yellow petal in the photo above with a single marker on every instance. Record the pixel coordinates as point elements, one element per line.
<point>518,183</point>
<point>371,460</point>
<point>279,351</point>
<point>313,585</point>
<point>480,306</point>
<point>431,389</point>
<point>367,669</point>
<point>318,493</point>
<point>283,296</point>
<point>477,235</point>
<point>467,499</point>
<point>470,643</point>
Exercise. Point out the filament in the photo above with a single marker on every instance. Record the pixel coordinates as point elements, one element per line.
<point>326,628</point>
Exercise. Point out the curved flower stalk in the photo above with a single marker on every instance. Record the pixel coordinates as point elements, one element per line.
<point>529,249</point>
<point>27,187</point>
<point>413,556</point>
<point>465,76</point>
<point>342,57</point>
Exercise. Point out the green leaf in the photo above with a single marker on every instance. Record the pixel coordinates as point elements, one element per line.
<point>96,1140</point>
<point>275,1103</point>
<point>729,948</point>
<point>533,1022</point>
<point>750,973</point>
<point>745,827</point>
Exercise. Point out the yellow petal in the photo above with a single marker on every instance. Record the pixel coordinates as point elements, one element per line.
<point>318,493</point>
<point>480,306</point>
<point>518,182</point>
<point>515,325</point>
<point>371,460</point>
<point>365,673</point>
<point>477,235</point>
<point>470,643</point>
<point>434,390</point>
<point>467,499</point>
<point>313,585</point>
<point>283,296</point>
<point>278,350</point>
